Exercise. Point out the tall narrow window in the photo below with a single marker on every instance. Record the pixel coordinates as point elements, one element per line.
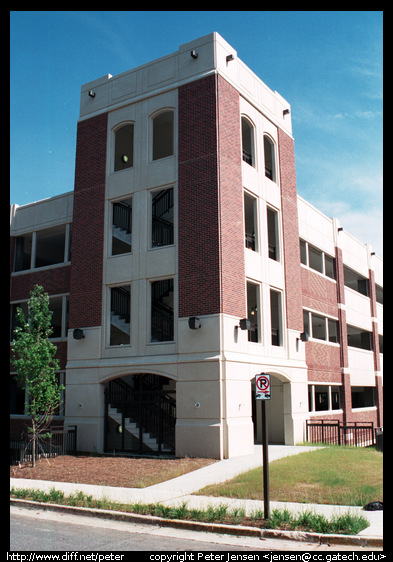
<point>250,221</point>
<point>120,315</point>
<point>272,234</point>
<point>23,250</point>
<point>162,217</point>
<point>124,147</point>
<point>248,142</point>
<point>50,246</point>
<point>253,311</point>
<point>163,135</point>
<point>162,311</point>
<point>121,227</point>
<point>275,317</point>
<point>270,167</point>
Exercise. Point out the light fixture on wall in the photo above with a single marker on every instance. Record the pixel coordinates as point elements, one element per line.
<point>229,58</point>
<point>125,158</point>
<point>286,112</point>
<point>194,323</point>
<point>245,324</point>
<point>194,55</point>
<point>92,94</point>
<point>304,336</point>
<point>78,334</point>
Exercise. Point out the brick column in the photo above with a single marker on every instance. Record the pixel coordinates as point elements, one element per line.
<point>290,227</point>
<point>345,396</point>
<point>88,223</point>
<point>211,246</point>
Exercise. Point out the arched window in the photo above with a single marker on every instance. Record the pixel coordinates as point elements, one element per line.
<point>270,165</point>
<point>124,147</point>
<point>248,142</point>
<point>163,135</point>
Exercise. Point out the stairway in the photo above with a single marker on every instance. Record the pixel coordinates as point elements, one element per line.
<point>144,415</point>
<point>120,323</point>
<point>121,234</point>
<point>132,427</point>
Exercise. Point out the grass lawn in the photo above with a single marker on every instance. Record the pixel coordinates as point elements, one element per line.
<point>333,475</point>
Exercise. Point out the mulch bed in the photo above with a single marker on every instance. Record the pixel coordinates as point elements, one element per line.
<point>109,471</point>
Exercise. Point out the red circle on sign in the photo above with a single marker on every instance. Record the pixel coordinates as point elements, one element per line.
<point>262,383</point>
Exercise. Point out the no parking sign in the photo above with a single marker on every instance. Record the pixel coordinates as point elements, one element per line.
<point>262,387</point>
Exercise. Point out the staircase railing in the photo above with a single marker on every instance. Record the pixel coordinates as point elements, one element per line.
<point>154,411</point>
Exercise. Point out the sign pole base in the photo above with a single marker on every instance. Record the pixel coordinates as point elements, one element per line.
<point>265,457</point>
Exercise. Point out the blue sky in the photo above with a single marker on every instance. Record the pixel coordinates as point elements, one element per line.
<point>326,64</point>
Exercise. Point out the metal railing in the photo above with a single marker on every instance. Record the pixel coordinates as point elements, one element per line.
<point>61,442</point>
<point>334,432</point>
<point>154,412</point>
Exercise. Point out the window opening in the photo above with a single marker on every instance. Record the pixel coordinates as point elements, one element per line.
<point>357,337</point>
<point>50,246</point>
<point>121,227</point>
<point>275,317</point>
<point>316,259</point>
<point>163,135</point>
<point>56,306</point>
<point>379,293</point>
<point>303,252</point>
<point>23,251</point>
<point>362,396</point>
<point>163,218</point>
<point>355,281</point>
<point>329,266</point>
<point>270,171</point>
<point>320,327</point>
<point>59,322</point>
<point>272,233</point>
<point>120,315</point>
<point>253,311</point>
<point>124,147</point>
<point>248,142</point>
<point>323,398</point>
<point>250,221</point>
<point>162,311</point>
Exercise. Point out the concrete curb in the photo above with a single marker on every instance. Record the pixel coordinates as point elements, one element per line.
<point>238,530</point>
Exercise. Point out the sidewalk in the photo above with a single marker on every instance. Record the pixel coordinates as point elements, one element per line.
<point>179,490</point>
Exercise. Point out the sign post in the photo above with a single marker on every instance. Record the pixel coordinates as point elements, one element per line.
<point>262,392</point>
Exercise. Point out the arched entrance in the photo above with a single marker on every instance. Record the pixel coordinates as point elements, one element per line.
<point>140,415</point>
<point>274,411</point>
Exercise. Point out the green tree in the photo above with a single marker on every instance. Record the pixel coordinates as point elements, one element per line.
<point>33,357</point>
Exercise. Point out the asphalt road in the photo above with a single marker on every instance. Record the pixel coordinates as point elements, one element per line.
<point>38,530</point>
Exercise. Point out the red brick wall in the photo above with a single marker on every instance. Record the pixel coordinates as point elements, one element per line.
<point>211,245</point>
<point>55,281</point>
<point>231,201</point>
<point>88,223</point>
<point>318,293</point>
<point>323,362</point>
<point>290,227</point>
<point>198,199</point>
